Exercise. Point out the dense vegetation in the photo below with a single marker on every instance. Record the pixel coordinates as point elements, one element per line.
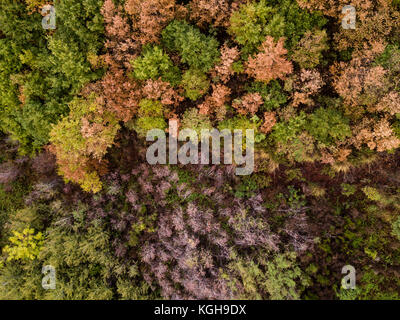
<point>76,190</point>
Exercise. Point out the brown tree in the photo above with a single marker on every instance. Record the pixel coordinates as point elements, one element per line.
<point>270,62</point>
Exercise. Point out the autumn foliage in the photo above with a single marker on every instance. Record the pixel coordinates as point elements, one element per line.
<point>77,103</point>
<point>270,62</point>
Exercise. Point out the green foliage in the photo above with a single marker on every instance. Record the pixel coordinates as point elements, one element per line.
<point>143,125</point>
<point>328,126</point>
<point>285,280</point>
<point>295,199</point>
<point>150,117</point>
<point>389,58</point>
<point>196,49</point>
<point>348,189</point>
<point>372,194</point>
<point>197,231</point>
<point>24,245</point>
<point>271,93</point>
<point>298,21</point>
<point>284,132</point>
<point>265,277</point>
<point>292,140</point>
<point>21,281</point>
<point>253,22</point>
<point>246,188</point>
<point>240,123</point>
<point>257,19</point>
<point>373,286</point>
<point>153,64</point>
<point>396,228</point>
<point>22,55</point>
<point>10,202</point>
<point>308,54</point>
<point>39,73</point>
<point>195,83</point>
<point>148,108</point>
<point>85,264</point>
<point>82,262</point>
<point>145,223</point>
<point>250,276</point>
<point>75,146</point>
<point>193,120</point>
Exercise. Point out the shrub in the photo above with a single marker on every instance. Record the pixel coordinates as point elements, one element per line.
<point>25,245</point>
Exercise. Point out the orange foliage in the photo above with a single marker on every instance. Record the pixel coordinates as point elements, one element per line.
<point>377,135</point>
<point>215,103</point>
<point>374,20</point>
<point>270,63</point>
<point>224,69</point>
<point>249,103</point>
<point>390,104</point>
<point>358,82</point>
<point>309,83</point>
<point>150,17</point>
<point>163,91</point>
<point>120,45</point>
<point>213,12</point>
<point>121,94</point>
<point>269,122</point>
<point>377,22</point>
<point>206,12</point>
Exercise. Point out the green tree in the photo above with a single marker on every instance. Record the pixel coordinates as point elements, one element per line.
<point>81,138</point>
<point>150,116</point>
<point>153,64</point>
<point>196,49</point>
<point>195,84</point>
<point>42,70</point>
<point>328,126</point>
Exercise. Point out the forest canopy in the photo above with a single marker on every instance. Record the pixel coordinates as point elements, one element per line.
<point>78,194</point>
